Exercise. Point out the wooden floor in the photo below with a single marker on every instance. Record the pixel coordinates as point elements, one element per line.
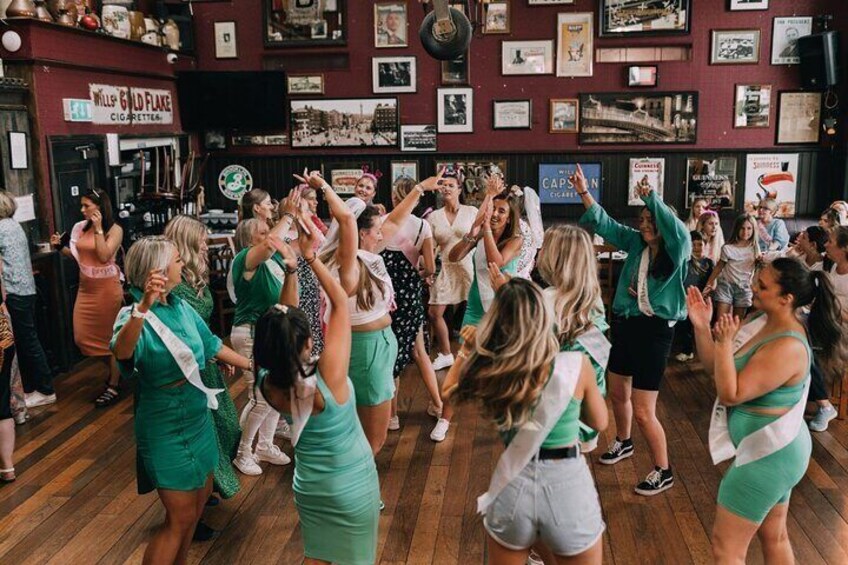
<point>75,499</point>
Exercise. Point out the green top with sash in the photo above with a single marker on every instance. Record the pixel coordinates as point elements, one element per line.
<point>781,397</point>
<point>256,295</point>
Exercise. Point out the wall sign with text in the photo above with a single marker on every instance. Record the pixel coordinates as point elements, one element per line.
<point>556,188</point>
<point>122,105</point>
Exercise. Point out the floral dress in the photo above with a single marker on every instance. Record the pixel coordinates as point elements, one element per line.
<point>310,302</point>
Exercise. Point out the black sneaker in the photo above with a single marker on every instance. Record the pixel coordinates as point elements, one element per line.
<point>203,532</point>
<point>617,451</point>
<point>657,481</point>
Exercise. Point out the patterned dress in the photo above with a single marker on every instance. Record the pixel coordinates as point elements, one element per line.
<point>225,418</point>
<point>408,316</point>
<point>310,302</point>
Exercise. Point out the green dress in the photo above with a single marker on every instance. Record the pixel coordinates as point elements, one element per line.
<point>225,417</point>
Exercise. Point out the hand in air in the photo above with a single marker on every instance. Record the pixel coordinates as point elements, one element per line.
<point>313,179</point>
<point>726,328</point>
<point>497,277</point>
<point>700,308</point>
<point>433,183</point>
<point>154,288</point>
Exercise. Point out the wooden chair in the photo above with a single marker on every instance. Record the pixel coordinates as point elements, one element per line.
<point>839,395</point>
<point>221,254</point>
<point>606,276</point>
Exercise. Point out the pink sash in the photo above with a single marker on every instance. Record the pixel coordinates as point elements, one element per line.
<point>100,272</point>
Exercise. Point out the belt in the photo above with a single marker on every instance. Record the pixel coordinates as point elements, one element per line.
<point>570,452</point>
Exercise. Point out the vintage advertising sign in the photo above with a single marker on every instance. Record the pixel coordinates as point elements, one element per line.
<point>772,175</point>
<point>648,171</point>
<point>556,188</point>
<point>122,105</point>
<point>234,181</point>
<point>713,180</point>
<point>151,106</point>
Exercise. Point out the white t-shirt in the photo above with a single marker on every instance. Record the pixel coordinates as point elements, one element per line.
<point>840,287</point>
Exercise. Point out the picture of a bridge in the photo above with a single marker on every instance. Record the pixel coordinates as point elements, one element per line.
<point>639,118</point>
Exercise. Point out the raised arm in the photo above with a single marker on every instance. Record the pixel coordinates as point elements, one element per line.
<point>674,233</point>
<point>288,293</point>
<point>596,217</point>
<point>469,241</point>
<point>395,219</point>
<point>288,209</point>
<point>700,311</point>
<point>127,338</point>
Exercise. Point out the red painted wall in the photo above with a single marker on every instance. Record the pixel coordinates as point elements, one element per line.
<point>715,84</point>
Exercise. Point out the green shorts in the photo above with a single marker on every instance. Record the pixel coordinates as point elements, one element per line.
<point>372,362</point>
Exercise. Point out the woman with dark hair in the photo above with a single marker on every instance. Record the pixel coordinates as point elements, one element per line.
<point>94,244</point>
<point>762,373</point>
<point>649,300</point>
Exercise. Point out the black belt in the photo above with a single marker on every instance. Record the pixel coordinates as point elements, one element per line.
<point>559,453</point>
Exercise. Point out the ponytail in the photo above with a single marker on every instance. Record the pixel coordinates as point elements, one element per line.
<point>280,335</point>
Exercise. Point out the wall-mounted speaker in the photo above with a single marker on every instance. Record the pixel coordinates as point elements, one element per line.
<point>819,59</point>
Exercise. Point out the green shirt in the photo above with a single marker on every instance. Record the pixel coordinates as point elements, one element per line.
<point>152,361</point>
<point>256,295</point>
<point>667,296</point>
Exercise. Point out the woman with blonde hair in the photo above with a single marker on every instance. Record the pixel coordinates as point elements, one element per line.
<point>699,206</point>
<point>535,395</point>
<point>709,226</point>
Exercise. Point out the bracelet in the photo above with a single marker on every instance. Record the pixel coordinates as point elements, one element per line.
<point>289,270</point>
<point>310,261</point>
<point>419,189</point>
<point>462,354</point>
<point>468,239</point>
<point>288,215</point>
<point>136,313</point>
<point>582,193</point>
<point>250,364</point>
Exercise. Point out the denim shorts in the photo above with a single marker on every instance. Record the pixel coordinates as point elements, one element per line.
<point>734,294</point>
<point>552,501</point>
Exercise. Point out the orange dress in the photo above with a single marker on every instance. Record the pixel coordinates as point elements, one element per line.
<point>99,299</point>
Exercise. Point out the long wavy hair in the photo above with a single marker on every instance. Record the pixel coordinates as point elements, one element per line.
<point>188,234</point>
<point>513,355</point>
<point>367,283</point>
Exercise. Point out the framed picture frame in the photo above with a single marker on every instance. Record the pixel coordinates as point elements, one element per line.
<point>474,175</point>
<point>527,57</point>
<point>305,84</point>
<point>656,118</point>
<point>344,122</point>
<point>407,169</point>
<point>799,118</point>
<point>713,180</point>
<point>784,39</point>
<point>394,75</point>
<point>772,175</point>
<point>455,110</point>
<point>226,42</point>
<point>752,106</point>
<point>746,5</point>
<point>18,152</point>
<point>642,75</point>
<point>735,47</point>
<point>575,44</point>
<point>512,114</point>
<point>496,17</point>
<point>645,171</point>
<point>418,138</point>
<point>456,72</point>
<point>343,175</point>
<point>565,115</point>
<point>391,25</point>
<point>620,18</point>
<point>299,24</point>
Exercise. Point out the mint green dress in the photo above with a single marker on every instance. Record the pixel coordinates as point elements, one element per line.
<point>225,417</point>
<point>474,309</point>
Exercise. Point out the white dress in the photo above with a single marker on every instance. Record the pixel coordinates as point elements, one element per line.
<point>454,279</point>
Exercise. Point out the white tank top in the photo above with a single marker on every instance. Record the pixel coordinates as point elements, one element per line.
<point>383,301</point>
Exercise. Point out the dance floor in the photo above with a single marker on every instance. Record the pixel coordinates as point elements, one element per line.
<point>75,498</point>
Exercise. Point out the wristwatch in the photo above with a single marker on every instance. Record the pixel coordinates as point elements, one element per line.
<point>136,313</point>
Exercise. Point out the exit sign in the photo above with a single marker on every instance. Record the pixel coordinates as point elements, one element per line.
<point>77,110</point>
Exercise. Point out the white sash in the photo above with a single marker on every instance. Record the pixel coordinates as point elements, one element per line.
<point>597,346</point>
<point>377,266</point>
<point>183,356</point>
<point>554,400</point>
<point>642,284</point>
<point>272,265</point>
<point>106,271</point>
<point>484,284</point>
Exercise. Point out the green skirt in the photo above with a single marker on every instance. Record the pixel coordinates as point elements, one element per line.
<point>227,431</point>
<point>372,362</point>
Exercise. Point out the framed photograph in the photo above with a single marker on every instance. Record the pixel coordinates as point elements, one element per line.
<point>344,122</point>
<point>214,140</point>
<point>799,117</point>
<point>555,185</point>
<point>393,74</point>
<point>473,175</point>
<point>772,175</point>
<point>512,114</point>
<point>639,117</point>
<point>713,180</point>
<point>647,171</point>
<point>527,57</point>
<point>496,16</point>
<point>407,169</point>
<point>548,2</point>
<point>648,17</point>
<point>18,155</point>
<point>784,39</point>
<point>565,113</point>
<point>744,5</point>
<point>753,106</point>
<point>306,84</point>
<point>575,50</point>
<point>304,23</point>
<point>342,177</point>
<point>226,46</point>
<point>418,138</point>
<point>390,24</point>
<point>646,75</point>
<point>456,72</point>
<point>735,47</point>
<point>455,110</point>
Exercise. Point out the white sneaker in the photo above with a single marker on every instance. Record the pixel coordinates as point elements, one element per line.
<point>272,455</point>
<point>440,431</point>
<point>442,361</point>
<point>283,430</point>
<point>394,424</point>
<point>247,464</point>
<point>36,398</point>
<point>589,446</point>
<point>433,411</point>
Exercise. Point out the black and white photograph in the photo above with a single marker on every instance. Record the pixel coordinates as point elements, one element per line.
<point>564,115</point>
<point>455,110</point>
<point>628,117</point>
<point>753,106</point>
<point>784,39</point>
<point>344,122</point>
<point>645,17</point>
<point>512,114</point>
<point>496,17</point>
<point>548,2</point>
<point>455,71</point>
<point>799,117</point>
<point>745,5</point>
<point>527,57</point>
<point>418,138</point>
<point>735,47</point>
<point>393,74</point>
<point>408,169</point>
<point>214,140</point>
<point>390,24</point>
<point>302,85</point>
<point>474,175</point>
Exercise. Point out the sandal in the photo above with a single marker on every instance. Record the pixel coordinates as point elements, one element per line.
<point>7,475</point>
<point>108,397</point>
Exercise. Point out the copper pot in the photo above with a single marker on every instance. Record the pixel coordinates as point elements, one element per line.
<point>21,9</point>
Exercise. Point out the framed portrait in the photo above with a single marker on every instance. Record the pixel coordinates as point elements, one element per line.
<point>575,50</point>
<point>735,47</point>
<point>753,106</point>
<point>418,138</point>
<point>799,117</point>
<point>713,180</point>
<point>455,110</point>
<point>654,17</point>
<point>784,39</point>
<point>226,46</point>
<point>645,75</point>
<point>304,23</point>
<point>744,5</point>
<point>512,114</point>
<point>390,25</point>
<point>496,17</point>
<point>639,117</point>
<point>393,74</point>
<point>456,72</point>
<point>565,114</point>
<point>527,57</point>
<point>304,84</point>
<point>344,122</point>
<point>407,169</point>
<point>214,140</point>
